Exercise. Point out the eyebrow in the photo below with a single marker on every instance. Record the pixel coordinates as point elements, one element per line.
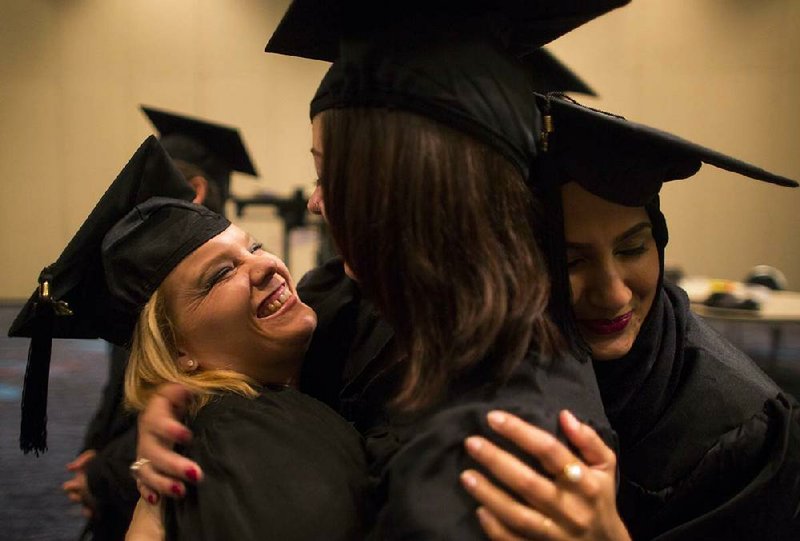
<point>632,232</point>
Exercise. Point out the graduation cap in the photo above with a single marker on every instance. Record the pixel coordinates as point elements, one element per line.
<point>216,149</point>
<point>549,74</point>
<point>454,62</point>
<point>314,28</point>
<point>116,260</point>
<point>619,160</point>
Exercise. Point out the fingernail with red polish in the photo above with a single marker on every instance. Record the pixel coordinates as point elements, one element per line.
<point>152,499</point>
<point>191,474</point>
<point>176,489</point>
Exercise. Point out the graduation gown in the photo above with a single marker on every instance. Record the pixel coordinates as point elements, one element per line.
<point>280,466</point>
<point>710,446</point>
<point>415,462</point>
<point>112,434</point>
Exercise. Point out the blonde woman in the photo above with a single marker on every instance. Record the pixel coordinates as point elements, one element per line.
<point>205,306</point>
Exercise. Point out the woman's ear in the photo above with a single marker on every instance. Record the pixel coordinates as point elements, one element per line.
<point>200,186</point>
<point>186,363</point>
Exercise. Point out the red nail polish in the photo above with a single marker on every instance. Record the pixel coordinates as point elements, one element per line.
<point>191,474</point>
<point>151,498</point>
<point>176,489</point>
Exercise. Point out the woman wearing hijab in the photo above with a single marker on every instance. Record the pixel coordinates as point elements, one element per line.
<point>203,305</point>
<point>709,445</point>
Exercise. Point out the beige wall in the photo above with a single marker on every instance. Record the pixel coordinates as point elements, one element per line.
<point>724,73</point>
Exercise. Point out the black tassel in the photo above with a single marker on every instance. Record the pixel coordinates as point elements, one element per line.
<point>33,430</point>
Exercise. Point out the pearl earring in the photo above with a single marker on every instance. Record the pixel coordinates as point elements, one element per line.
<point>190,363</point>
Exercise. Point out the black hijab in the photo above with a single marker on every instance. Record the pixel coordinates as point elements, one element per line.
<point>637,387</point>
<point>626,163</point>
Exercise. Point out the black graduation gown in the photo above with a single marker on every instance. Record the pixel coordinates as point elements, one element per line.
<point>710,446</point>
<point>415,463</point>
<point>112,434</point>
<point>281,466</point>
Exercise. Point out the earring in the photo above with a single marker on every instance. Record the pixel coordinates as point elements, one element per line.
<point>190,363</point>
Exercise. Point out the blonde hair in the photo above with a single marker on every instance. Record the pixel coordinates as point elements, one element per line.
<point>153,361</point>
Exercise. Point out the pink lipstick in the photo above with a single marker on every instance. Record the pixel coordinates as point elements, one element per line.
<point>608,326</point>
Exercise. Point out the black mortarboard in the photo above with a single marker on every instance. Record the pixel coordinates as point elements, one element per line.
<point>313,28</point>
<point>214,148</point>
<point>454,62</point>
<point>620,160</point>
<point>549,74</point>
<point>76,298</point>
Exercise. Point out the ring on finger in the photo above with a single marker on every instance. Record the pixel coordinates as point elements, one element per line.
<point>546,523</point>
<point>573,472</point>
<point>138,464</point>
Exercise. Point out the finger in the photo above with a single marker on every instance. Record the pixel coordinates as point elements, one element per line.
<point>79,461</point>
<point>159,482</point>
<point>148,495</point>
<point>513,515</point>
<point>166,466</point>
<point>551,453</point>
<point>593,449</point>
<point>160,420</point>
<point>74,497</point>
<point>177,395</point>
<point>523,480</point>
<point>493,528</point>
<point>159,430</point>
<point>72,484</point>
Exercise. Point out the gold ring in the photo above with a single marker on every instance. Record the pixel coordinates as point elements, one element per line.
<point>138,465</point>
<point>573,471</point>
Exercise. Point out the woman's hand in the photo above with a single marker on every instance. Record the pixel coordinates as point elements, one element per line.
<point>77,488</point>
<point>579,502</point>
<point>158,469</point>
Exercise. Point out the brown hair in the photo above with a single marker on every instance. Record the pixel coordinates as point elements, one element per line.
<point>438,228</point>
<point>213,200</point>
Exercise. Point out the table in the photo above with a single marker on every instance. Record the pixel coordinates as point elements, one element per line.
<point>776,308</point>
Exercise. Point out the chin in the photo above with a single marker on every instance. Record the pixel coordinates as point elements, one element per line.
<point>610,352</point>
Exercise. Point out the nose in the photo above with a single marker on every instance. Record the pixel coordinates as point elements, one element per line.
<point>262,269</point>
<point>608,290</point>
<point>315,204</point>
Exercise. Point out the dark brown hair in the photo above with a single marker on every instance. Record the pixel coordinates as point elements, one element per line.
<point>438,227</point>
<point>213,200</point>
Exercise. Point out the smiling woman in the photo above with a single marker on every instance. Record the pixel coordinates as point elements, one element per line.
<point>234,319</point>
<point>205,306</point>
<point>613,270</point>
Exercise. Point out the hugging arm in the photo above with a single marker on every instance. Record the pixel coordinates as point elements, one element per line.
<point>578,502</point>
<point>159,431</point>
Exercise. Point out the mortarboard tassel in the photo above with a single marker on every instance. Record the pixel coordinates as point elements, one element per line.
<point>547,126</point>
<point>33,429</point>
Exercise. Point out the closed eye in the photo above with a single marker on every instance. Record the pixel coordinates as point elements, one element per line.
<point>633,252</point>
<point>574,263</point>
<point>216,278</point>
